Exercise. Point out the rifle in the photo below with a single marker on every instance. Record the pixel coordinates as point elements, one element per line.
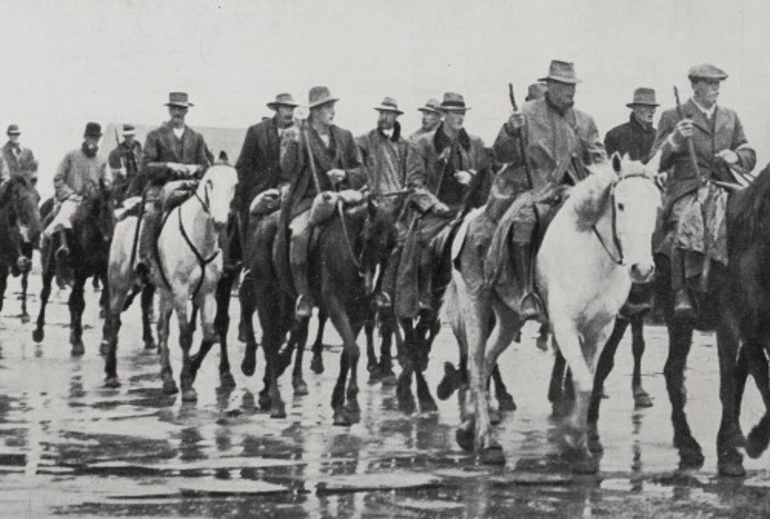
<point>520,139</point>
<point>690,145</point>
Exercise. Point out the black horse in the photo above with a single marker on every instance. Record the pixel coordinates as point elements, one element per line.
<point>19,230</point>
<point>89,245</point>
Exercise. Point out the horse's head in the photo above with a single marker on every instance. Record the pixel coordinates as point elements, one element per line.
<point>636,199</point>
<point>378,239</point>
<point>216,190</point>
<point>95,216</point>
<point>21,197</point>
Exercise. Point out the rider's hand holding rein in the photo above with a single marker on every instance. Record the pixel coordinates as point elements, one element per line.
<point>336,175</point>
<point>684,131</point>
<point>465,177</point>
<point>515,122</point>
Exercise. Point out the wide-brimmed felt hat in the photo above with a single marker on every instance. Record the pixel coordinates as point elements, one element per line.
<point>179,99</point>
<point>536,91</point>
<point>93,130</point>
<point>643,97</point>
<point>283,99</point>
<point>13,129</point>
<point>388,105</point>
<point>129,129</point>
<point>320,95</point>
<point>453,102</point>
<point>706,71</point>
<point>431,105</point>
<point>561,71</point>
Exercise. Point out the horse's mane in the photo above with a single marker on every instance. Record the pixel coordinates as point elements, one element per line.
<point>750,210</point>
<point>590,196</point>
<point>7,188</point>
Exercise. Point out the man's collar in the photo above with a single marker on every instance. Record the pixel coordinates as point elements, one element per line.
<point>708,112</point>
<point>644,127</point>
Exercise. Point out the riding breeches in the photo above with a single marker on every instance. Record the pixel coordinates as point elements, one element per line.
<point>298,252</point>
<point>64,217</point>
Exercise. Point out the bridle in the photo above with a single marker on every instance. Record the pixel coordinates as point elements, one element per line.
<point>619,259</point>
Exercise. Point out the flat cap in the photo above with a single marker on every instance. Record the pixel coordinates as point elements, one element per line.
<point>706,71</point>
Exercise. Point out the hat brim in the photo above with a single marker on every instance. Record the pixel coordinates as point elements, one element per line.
<point>696,78</point>
<point>274,105</point>
<point>631,105</point>
<point>323,102</point>
<point>429,110</point>
<point>559,79</point>
<point>13,133</point>
<point>179,105</point>
<point>446,109</point>
<point>388,109</point>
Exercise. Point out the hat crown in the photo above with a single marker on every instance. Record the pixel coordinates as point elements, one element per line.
<point>389,101</point>
<point>431,105</point>
<point>13,129</point>
<point>129,128</point>
<point>561,71</point>
<point>536,90</point>
<point>706,71</point>
<point>320,95</point>
<point>284,99</point>
<point>93,130</point>
<point>178,97</point>
<point>644,96</point>
<point>453,101</point>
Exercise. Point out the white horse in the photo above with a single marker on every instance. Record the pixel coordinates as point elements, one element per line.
<point>189,267</point>
<point>598,242</point>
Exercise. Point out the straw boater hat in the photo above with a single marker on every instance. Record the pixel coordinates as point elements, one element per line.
<point>178,99</point>
<point>643,97</point>
<point>282,100</point>
<point>320,95</point>
<point>13,129</point>
<point>561,71</point>
<point>453,102</point>
<point>706,71</point>
<point>388,105</point>
<point>431,105</point>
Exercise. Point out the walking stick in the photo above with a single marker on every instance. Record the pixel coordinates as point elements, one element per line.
<point>520,139</point>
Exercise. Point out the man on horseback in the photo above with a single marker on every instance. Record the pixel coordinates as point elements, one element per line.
<point>79,173</point>
<point>323,158</point>
<point>124,162</point>
<point>431,118</point>
<point>694,228</point>
<point>548,143</point>
<point>171,151</point>
<point>20,160</point>
<point>448,177</point>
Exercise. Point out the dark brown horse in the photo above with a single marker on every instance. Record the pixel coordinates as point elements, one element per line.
<point>89,244</point>
<point>19,230</point>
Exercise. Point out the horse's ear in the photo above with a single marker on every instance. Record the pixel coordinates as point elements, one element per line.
<point>371,206</point>
<point>616,162</point>
<point>653,165</point>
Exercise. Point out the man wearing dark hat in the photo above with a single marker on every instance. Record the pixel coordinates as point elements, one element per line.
<point>559,141</point>
<point>124,163</point>
<point>431,118</point>
<point>79,172</point>
<point>259,164</point>
<point>337,165</point>
<point>172,151</point>
<point>449,175</point>
<point>20,160</point>
<point>694,211</point>
<point>636,137</point>
<point>536,91</point>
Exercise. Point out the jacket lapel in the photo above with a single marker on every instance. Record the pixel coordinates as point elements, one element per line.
<point>171,141</point>
<point>692,111</point>
<point>721,119</point>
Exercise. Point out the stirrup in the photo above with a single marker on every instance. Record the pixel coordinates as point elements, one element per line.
<point>382,301</point>
<point>683,308</point>
<point>303,308</point>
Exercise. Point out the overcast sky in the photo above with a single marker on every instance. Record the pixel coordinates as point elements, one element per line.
<point>67,62</point>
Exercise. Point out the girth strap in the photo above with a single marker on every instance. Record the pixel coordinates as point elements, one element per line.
<point>202,262</point>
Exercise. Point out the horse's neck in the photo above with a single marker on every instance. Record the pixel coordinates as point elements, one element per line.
<point>197,225</point>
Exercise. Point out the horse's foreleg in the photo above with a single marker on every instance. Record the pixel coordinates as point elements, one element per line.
<point>680,341</point>
<point>504,398</point>
<point>3,283</point>
<point>39,334</point>
<point>641,397</point>
<point>186,329</point>
<point>408,367</point>
<point>164,322</point>
<point>371,356</point>
<point>297,381</point>
<point>248,301</point>
<point>603,369</point>
<point>24,287</point>
<point>222,326</point>
<point>349,359</point>
<point>77,304</point>
<point>730,437</point>
<point>753,360</point>
<point>317,362</point>
<point>556,386</point>
<point>148,294</point>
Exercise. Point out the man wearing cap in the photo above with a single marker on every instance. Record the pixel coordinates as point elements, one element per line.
<point>636,137</point>
<point>259,164</point>
<point>431,118</point>
<point>172,151</point>
<point>694,228</point>
<point>449,176</point>
<point>124,163</point>
<point>79,173</point>
<point>20,160</point>
<point>337,163</point>
<point>559,141</point>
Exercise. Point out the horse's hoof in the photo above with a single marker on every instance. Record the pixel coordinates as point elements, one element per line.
<point>104,348</point>
<point>585,466</point>
<point>249,364</point>
<point>78,349</point>
<point>112,381</point>
<point>149,345</point>
<point>226,380</point>
<point>264,401</point>
<point>506,403</point>
<point>594,443</point>
<point>690,457</point>
<point>542,343</point>
<point>494,416</point>
<point>278,410</point>
<point>189,395</point>
<point>353,409</point>
<point>375,377</point>
<point>300,387</point>
<point>25,318</point>
<point>169,387</point>
<point>389,379</point>
<point>464,438</point>
<point>317,364</point>
<point>731,465</point>
<point>492,455</point>
<point>428,405</point>
<point>342,417</point>
<point>372,367</point>
<point>38,335</point>
<point>449,382</point>
<point>642,399</point>
<point>406,403</point>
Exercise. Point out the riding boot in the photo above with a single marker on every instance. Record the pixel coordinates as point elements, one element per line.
<point>62,256</point>
<point>298,260</point>
<point>531,307</point>
<point>425,276</point>
<point>146,246</point>
<point>683,308</point>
